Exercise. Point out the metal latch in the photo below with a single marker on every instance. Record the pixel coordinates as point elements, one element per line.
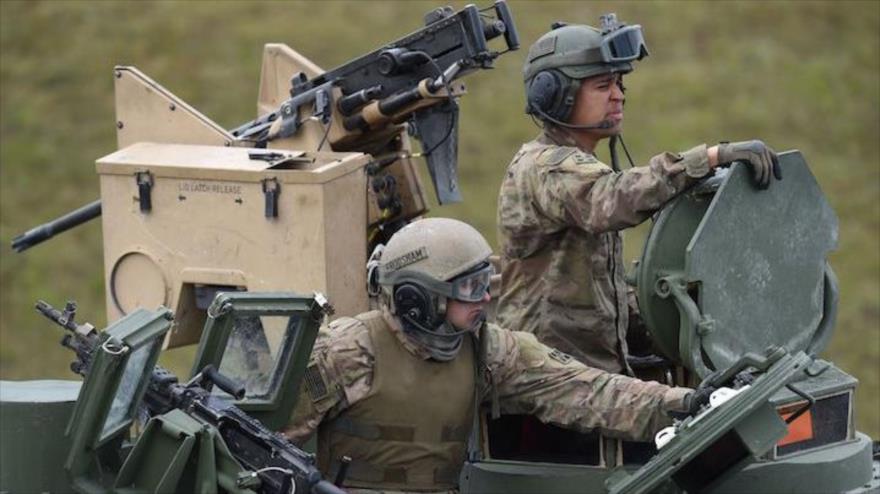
<point>145,186</point>
<point>271,191</point>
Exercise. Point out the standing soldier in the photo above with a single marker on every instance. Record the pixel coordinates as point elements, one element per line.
<point>560,210</point>
<point>397,389</point>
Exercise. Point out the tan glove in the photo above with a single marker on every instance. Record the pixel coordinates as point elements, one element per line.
<point>757,155</point>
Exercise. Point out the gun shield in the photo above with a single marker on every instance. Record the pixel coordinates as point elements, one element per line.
<point>437,127</point>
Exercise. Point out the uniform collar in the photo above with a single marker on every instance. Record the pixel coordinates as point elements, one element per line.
<point>557,136</point>
<point>397,330</point>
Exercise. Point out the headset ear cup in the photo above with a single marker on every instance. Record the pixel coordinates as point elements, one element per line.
<point>413,302</point>
<point>552,93</point>
<point>543,93</point>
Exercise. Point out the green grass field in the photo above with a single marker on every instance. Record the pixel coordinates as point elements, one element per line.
<point>801,75</point>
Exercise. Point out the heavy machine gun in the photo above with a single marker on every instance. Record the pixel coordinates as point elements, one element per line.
<point>265,461</point>
<point>361,106</point>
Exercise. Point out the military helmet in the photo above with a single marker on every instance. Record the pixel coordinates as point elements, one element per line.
<point>431,253</point>
<point>425,264</point>
<point>561,58</point>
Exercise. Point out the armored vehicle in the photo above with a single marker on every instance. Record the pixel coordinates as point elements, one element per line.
<point>207,231</point>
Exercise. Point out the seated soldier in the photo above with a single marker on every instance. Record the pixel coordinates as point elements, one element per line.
<point>395,389</point>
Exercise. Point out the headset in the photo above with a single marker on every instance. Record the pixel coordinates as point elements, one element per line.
<point>415,305</point>
<point>419,311</point>
<point>551,96</point>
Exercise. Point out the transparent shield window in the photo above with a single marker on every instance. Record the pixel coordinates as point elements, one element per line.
<point>122,408</point>
<point>256,352</point>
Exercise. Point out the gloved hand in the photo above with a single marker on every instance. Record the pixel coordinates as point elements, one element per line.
<point>698,398</point>
<point>760,158</point>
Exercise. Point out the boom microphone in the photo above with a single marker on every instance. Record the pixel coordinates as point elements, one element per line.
<point>604,124</point>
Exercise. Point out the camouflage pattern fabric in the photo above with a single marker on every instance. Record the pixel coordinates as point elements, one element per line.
<point>559,215</point>
<point>527,377</point>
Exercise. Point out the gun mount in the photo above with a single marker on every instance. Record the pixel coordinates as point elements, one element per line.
<point>323,174</point>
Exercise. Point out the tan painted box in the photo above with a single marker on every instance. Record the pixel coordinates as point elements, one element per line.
<point>207,227</point>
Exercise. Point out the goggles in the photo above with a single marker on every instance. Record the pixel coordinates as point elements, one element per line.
<point>471,286</point>
<point>623,44</point>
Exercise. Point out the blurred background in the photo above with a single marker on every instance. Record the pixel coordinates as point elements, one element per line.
<point>799,75</point>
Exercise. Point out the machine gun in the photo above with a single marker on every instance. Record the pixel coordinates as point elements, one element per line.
<point>410,78</point>
<point>271,463</point>
<point>362,102</point>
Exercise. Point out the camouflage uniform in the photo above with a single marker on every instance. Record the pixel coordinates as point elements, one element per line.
<point>559,215</point>
<point>521,375</point>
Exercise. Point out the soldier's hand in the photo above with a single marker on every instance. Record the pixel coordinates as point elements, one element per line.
<point>760,158</point>
<point>695,401</point>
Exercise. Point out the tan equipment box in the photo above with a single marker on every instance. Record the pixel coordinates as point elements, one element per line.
<point>182,222</point>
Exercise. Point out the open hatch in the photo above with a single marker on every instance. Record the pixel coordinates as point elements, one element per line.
<point>262,341</point>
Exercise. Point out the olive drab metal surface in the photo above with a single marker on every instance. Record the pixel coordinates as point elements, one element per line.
<point>118,373</point>
<point>729,272</point>
<point>35,414</point>
<point>743,428</point>
<point>262,341</point>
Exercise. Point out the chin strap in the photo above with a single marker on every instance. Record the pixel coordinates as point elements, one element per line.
<point>442,345</point>
<point>443,342</point>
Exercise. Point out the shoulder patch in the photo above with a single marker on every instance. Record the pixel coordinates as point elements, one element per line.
<point>555,156</point>
<point>559,356</point>
<point>582,158</point>
<point>316,382</point>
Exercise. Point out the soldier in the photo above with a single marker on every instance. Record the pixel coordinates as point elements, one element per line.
<point>560,210</point>
<point>396,389</point>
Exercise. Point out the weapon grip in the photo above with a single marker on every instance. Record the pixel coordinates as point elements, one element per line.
<point>226,384</point>
<point>511,37</point>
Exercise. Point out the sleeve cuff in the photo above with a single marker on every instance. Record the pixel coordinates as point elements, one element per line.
<point>673,399</point>
<point>696,161</point>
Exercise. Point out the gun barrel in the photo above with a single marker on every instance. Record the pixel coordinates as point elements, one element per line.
<point>325,487</point>
<point>63,319</point>
<point>48,230</point>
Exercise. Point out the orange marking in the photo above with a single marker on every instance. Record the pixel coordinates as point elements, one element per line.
<point>799,430</point>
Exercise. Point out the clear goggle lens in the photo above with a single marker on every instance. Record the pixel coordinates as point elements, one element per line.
<point>624,45</point>
<point>472,287</point>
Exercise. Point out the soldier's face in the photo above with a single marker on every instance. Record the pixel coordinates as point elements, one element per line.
<point>600,99</point>
<point>463,315</point>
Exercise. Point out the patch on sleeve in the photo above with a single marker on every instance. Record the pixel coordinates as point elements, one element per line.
<point>584,159</point>
<point>553,157</point>
<point>561,357</point>
<point>316,383</point>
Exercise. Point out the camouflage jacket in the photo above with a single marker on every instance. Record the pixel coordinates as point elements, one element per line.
<point>525,376</point>
<point>559,215</point>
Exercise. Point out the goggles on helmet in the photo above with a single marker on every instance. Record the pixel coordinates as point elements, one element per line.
<point>471,286</point>
<point>623,44</point>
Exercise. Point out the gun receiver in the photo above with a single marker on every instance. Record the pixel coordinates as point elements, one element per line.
<point>272,464</point>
